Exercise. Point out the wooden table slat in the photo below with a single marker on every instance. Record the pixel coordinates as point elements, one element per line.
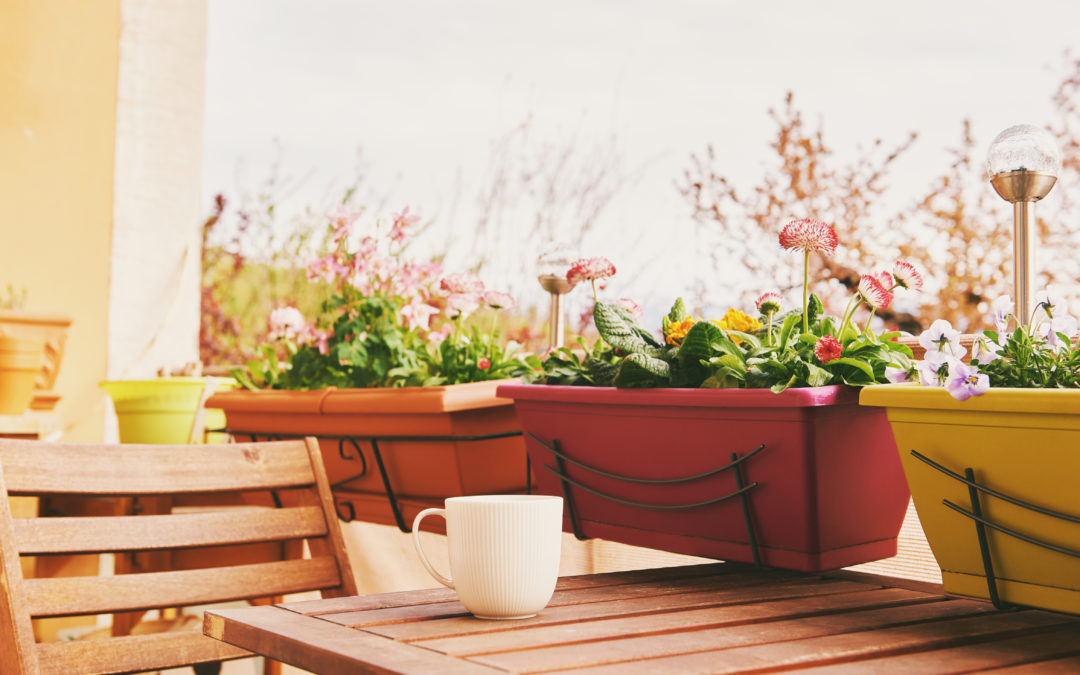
<point>465,624</point>
<point>323,647</point>
<point>1058,642</point>
<point>435,595</point>
<point>736,585</point>
<point>694,619</point>
<point>658,622</point>
<point>786,652</point>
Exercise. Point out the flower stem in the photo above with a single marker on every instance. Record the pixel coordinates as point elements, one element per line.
<point>805,292</point>
<point>595,298</point>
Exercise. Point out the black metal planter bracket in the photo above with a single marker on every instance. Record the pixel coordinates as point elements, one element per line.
<point>742,490</point>
<point>345,510</point>
<point>982,524</point>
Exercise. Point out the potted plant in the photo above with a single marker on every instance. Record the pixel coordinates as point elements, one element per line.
<point>50,329</point>
<point>989,448</point>
<point>168,408</point>
<point>397,377</point>
<point>738,438</point>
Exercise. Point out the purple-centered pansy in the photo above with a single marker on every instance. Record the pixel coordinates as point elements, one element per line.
<point>965,381</point>
<point>1003,311</point>
<point>1051,331</point>
<point>896,375</point>
<point>942,337</point>
<point>933,370</point>
<point>1051,302</point>
<point>984,350</point>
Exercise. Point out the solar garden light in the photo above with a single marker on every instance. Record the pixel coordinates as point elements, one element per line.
<point>1023,164</point>
<point>552,266</point>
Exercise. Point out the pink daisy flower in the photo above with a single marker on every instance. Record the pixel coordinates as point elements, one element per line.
<point>809,235</point>
<point>828,349</point>
<point>285,322</point>
<point>873,292</point>
<point>462,282</point>
<point>498,300</point>
<point>630,306</point>
<point>590,269</point>
<point>460,304</point>
<point>907,276</point>
<point>769,303</point>
<point>483,364</point>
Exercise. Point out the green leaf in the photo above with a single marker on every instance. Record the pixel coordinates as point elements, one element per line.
<point>814,308</point>
<point>678,311</point>
<point>861,366</point>
<point>785,332</point>
<point>817,376</point>
<point>620,333</point>
<point>641,370</point>
<point>699,342</point>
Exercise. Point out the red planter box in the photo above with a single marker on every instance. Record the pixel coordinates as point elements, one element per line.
<point>825,490</point>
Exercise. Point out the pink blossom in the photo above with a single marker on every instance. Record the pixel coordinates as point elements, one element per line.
<point>402,229</point>
<point>769,303</point>
<point>483,364</point>
<point>630,306</point>
<point>907,276</point>
<point>809,235</point>
<point>436,337</point>
<point>461,304</point>
<point>342,221</point>
<point>828,349</point>
<point>886,279</point>
<point>590,269</point>
<point>873,292</point>
<point>326,269</point>
<point>417,315</point>
<point>285,322</point>
<point>321,338</point>
<point>462,283</point>
<point>498,300</point>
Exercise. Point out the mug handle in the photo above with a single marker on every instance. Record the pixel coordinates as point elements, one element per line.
<point>416,542</point>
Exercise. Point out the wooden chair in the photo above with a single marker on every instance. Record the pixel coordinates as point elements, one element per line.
<point>291,471</point>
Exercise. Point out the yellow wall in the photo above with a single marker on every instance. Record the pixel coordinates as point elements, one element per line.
<point>58,84</point>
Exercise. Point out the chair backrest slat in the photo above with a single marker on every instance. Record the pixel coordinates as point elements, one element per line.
<point>131,653</point>
<point>212,551</point>
<point>107,534</point>
<point>57,468</point>
<point>69,596</point>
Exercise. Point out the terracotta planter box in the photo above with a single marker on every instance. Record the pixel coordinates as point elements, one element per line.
<point>420,472</point>
<point>825,490</point>
<point>1024,444</point>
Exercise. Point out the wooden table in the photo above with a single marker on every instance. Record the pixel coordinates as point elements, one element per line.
<point>718,618</point>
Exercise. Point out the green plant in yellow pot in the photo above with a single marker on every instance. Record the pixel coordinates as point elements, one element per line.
<point>990,451</point>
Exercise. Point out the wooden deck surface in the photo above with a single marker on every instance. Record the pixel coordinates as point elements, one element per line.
<point>716,618</point>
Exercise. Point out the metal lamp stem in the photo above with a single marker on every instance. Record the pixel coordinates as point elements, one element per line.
<point>1023,258</point>
<point>556,323</point>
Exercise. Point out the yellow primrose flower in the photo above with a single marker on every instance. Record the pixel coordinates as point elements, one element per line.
<point>733,319</point>
<point>677,331</point>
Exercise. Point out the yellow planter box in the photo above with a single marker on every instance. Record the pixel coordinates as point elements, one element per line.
<point>1023,443</point>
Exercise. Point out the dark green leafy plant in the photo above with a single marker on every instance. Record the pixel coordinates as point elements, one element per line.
<point>799,348</point>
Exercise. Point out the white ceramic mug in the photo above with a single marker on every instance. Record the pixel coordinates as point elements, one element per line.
<point>504,552</point>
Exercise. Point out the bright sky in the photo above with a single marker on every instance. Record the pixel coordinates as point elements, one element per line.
<point>423,89</point>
